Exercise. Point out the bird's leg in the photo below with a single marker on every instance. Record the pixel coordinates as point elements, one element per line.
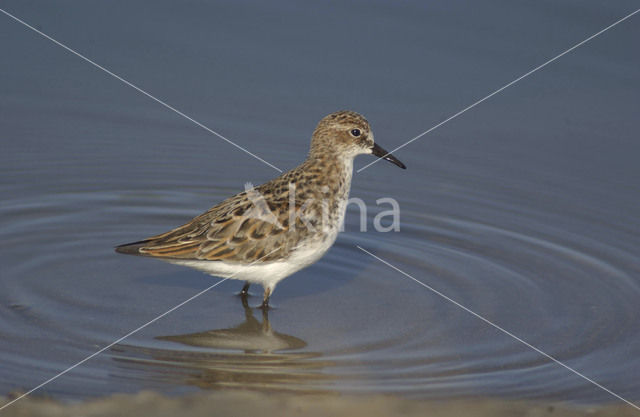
<point>245,290</point>
<point>265,299</point>
<point>244,294</point>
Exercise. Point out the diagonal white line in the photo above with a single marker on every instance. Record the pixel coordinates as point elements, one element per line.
<point>111,344</point>
<point>508,333</point>
<point>502,88</point>
<point>135,87</point>
<point>193,297</point>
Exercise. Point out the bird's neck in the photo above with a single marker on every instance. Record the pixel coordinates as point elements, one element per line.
<point>330,180</point>
<point>332,171</point>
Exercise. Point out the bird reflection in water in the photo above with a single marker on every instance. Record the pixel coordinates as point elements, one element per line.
<point>250,355</point>
<point>251,336</point>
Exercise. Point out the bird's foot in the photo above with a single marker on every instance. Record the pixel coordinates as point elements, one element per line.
<point>264,306</point>
<point>245,290</point>
<point>265,299</point>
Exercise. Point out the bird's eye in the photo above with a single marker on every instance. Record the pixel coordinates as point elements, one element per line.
<point>355,132</point>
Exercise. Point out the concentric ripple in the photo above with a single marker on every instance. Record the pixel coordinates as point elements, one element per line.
<point>349,323</point>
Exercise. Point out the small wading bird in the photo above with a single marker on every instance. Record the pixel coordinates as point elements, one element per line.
<point>268,232</point>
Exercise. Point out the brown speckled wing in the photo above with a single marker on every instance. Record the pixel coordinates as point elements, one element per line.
<point>232,232</point>
<point>248,226</point>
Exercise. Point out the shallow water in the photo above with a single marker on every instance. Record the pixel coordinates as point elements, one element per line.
<point>523,210</point>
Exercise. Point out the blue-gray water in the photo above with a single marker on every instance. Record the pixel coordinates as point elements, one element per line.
<point>523,209</point>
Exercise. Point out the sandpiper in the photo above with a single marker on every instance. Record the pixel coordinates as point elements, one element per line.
<point>268,232</point>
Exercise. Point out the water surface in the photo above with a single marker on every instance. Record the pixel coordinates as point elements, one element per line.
<point>524,209</point>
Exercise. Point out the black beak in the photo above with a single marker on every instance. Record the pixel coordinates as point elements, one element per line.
<point>381,153</point>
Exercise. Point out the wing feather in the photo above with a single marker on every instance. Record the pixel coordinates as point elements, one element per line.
<point>228,232</point>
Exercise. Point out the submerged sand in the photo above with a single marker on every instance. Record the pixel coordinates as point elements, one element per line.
<point>245,403</point>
